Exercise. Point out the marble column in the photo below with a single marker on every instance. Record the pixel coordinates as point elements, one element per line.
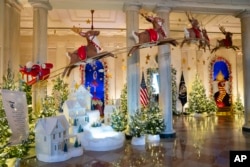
<point>133,66</point>
<point>164,63</point>
<point>9,36</point>
<point>40,17</point>
<point>245,37</point>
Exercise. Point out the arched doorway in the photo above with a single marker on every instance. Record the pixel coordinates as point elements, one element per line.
<point>221,83</point>
<point>94,82</point>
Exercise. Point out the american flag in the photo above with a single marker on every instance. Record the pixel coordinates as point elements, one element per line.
<point>144,98</point>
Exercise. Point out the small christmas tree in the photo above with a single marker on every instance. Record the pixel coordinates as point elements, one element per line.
<point>60,93</point>
<point>238,106</point>
<point>137,124</point>
<point>154,120</point>
<point>119,118</point>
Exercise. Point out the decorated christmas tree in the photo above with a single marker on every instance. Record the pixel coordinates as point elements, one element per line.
<point>119,118</point>
<point>154,123</point>
<point>238,106</point>
<point>137,124</point>
<point>198,101</point>
<point>8,151</point>
<point>52,104</point>
<point>60,92</point>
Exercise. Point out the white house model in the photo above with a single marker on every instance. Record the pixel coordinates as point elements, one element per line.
<point>75,108</point>
<point>53,140</point>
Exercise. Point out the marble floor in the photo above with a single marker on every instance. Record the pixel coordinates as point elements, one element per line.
<point>199,142</point>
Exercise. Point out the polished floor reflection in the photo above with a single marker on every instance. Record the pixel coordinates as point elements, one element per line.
<point>199,142</point>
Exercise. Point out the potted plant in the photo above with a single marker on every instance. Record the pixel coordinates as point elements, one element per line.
<point>154,124</point>
<point>137,128</point>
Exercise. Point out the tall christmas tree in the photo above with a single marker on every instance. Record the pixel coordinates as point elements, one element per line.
<point>13,151</point>
<point>119,116</point>
<point>52,104</point>
<point>198,101</point>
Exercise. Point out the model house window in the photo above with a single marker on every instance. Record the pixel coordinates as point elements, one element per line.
<point>54,136</point>
<point>59,134</point>
<point>44,138</point>
<point>64,132</point>
<point>56,126</point>
<point>55,147</point>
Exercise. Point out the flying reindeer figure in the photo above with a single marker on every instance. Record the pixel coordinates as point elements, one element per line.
<point>91,51</point>
<point>227,42</point>
<point>153,35</point>
<point>194,34</point>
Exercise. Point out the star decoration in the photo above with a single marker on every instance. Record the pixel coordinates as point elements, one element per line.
<point>88,21</point>
<point>76,86</point>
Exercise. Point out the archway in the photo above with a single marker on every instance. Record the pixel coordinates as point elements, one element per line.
<point>221,83</point>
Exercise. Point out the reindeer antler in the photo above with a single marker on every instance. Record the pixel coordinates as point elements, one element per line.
<point>76,29</point>
<point>222,29</point>
<point>189,18</point>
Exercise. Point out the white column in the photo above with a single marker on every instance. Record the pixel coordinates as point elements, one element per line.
<point>40,17</point>
<point>9,36</point>
<point>245,37</point>
<point>164,62</point>
<point>133,68</point>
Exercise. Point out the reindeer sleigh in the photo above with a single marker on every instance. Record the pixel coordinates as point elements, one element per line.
<point>87,53</point>
<point>196,34</point>
<point>151,37</point>
<point>226,43</point>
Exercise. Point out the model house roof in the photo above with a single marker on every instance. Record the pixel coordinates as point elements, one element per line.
<point>48,124</point>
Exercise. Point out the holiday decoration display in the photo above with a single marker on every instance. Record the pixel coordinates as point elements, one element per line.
<point>153,36</point>
<point>198,102</point>
<point>195,34</point>
<point>32,73</point>
<point>52,140</point>
<point>227,42</point>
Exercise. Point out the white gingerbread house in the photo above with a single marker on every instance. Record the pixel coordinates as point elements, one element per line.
<point>51,137</point>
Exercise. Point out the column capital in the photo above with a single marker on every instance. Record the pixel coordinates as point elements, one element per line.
<point>243,14</point>
<point>15,4</point>
<point>41,4</point>
<point>162,8</point>
<point>129,6</point>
